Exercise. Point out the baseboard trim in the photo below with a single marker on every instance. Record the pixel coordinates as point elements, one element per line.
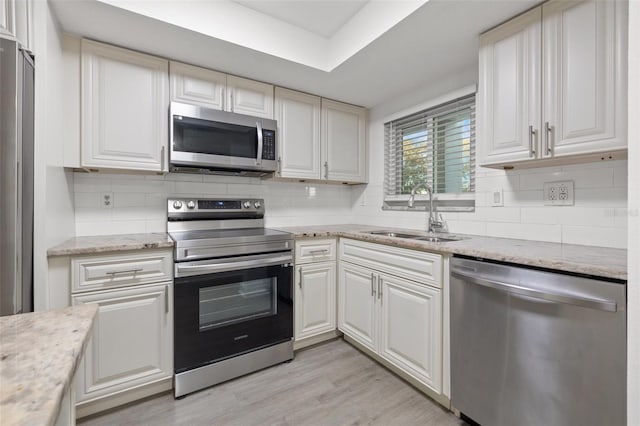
<point>94,406</point>
<point>314,340</point>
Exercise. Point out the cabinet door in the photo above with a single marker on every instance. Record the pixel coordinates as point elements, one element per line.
<point>315,299</point>
<point>357,304</point>
<point>124,108</point>
<point>344,142</point>
<point>6,17</point>
<point>298,116</point>
<point>249,97</point>
<point>584,77</point>
<point>509,90</point>
<point>132,340</point>
<point>411,329</point>
<point>197,86</point>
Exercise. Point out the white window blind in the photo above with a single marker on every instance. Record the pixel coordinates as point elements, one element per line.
<point>435,146</point>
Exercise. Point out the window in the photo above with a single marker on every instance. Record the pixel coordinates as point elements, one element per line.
<point>437,147</point>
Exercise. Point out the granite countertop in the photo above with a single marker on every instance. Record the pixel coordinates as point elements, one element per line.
<point>107,243</point>
<point>597,261</point>
<point>39,355</point>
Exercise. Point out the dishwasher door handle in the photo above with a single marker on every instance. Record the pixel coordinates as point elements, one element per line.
<point>600,304</point>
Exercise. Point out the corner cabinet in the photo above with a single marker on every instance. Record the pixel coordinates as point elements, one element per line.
<point>315,291</point>
<point>219,91</point>
<point>320,139</point>
<point>390,303</point>
<point>124,109</point>
<point>553,85</point>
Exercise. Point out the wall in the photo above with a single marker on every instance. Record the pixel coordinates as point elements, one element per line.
<point>598,217</point>
<point>53,197</point>
<point>633,288</point>
<point>139,202</point>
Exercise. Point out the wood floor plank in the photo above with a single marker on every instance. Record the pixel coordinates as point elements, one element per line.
<point>330,384</point>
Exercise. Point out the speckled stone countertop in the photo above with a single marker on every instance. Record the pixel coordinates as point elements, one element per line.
<point>597,261</point>
<point>107,243</point>
<point>39,355</point>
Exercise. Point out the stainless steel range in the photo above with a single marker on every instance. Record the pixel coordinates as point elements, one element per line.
<point>233,291</point>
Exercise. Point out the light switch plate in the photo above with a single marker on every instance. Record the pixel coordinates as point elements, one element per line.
<point>497,199</point>
<point>558,193</point>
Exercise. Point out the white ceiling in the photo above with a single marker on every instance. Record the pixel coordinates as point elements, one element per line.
<point>435,42</point>
<point>321,17</point>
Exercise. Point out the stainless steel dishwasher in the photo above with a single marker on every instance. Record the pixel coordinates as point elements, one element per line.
<point>531,347</point>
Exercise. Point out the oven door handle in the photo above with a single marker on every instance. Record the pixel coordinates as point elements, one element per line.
<point>213,267</point>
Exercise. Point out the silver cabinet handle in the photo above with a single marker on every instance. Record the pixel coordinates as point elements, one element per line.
<point>547,137</point>
<point>319,251</point>
<point>326,170</point>
<point>532,150</point>
<point>231,98</point>
<point>600,304</point>
<point>373,285</point>
<point>279,167</point>
<point>162,159</point>
<point>380,288</point>
<point>300,280</point>
<point>166,299</point>
<point>224,100</point>
<point>128,271</point>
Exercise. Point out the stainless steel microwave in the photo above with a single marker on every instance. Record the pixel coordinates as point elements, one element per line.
<point>205,140</point>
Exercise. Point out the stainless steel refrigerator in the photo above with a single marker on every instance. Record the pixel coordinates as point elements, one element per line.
<point>16,178</point>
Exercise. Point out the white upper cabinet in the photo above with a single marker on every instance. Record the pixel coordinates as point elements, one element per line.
<point>124,109</point>
<point>553,85</point>
<point>298,117</point>
<point>216,90</point>
<point>197,86</point>
<point>509,92</point>
<point>584,77</point>
<point>344,142</point>
<point>249,97</point>
<point>7,17</point>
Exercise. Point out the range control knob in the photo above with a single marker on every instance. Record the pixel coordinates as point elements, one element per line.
<point>191,205</point>
<point>257,204</point>
<point>246,204</point>
<point>177,205</point>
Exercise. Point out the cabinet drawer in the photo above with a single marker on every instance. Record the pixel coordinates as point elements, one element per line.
<point>415,265</point>
<point>116,270</point>
<point>315,250</point>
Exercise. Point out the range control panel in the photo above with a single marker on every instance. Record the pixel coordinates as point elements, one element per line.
<point>213,206</point>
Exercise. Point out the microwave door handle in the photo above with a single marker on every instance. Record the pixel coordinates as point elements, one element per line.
<point>259,157</point>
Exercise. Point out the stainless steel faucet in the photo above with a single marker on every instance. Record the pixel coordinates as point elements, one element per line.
<point>433,223</point>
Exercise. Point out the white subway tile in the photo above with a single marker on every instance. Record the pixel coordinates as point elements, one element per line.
<point>509,182</point>
<point>620,176</point>
<point>492,214</point>
<point>93,214</point>
<point>128,199</point>
<point>540,215</point>
<point>523,198</point>
<point>468,227</point>
<point>143,186</point>
<point>206,189</point>
<point>596,217</point>
<point>525,231</point>
<point>90,183</point>
<point>598,197</point>
<point>87,199</point>
<point>589,178</point>
<point>156,225</point>
<point>594,236</point>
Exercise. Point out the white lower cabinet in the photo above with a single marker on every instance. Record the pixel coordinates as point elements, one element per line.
<point>397,318</point>
<point>131,343</point>
<point>315,299</point>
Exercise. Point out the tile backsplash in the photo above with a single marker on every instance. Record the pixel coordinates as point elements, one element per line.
<point>139,202</point>
<point>598,216</point>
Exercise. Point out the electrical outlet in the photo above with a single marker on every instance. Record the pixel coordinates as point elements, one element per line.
<point>558,193</point>
<point>106,200</point>
<point>497,198</point>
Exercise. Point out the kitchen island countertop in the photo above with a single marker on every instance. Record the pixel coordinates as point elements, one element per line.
<point>39,355</point>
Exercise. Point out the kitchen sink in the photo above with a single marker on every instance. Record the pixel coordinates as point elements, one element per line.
<point>420,237</point>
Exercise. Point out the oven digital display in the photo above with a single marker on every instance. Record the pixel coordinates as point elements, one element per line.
<point>218,204</point>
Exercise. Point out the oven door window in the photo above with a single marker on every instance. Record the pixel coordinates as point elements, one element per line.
<point>237,302</point>
<point>211,137</point>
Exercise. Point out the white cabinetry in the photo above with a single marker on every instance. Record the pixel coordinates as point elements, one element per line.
<point>130,353</point>
<point>390,302</point>
<point>7,21</point>
<point>315,291</point>
<point>320,139</point>
<point>553,85</point>
<point>124,110</point>
<point>216,90</point>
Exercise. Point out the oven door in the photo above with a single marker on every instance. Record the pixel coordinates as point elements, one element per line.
<point>232,310</point>
<point>201,137</point>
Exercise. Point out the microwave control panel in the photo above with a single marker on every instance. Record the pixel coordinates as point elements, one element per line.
<point>268,145</point>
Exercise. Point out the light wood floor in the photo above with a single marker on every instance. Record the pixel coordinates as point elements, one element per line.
<point>330,384</point>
